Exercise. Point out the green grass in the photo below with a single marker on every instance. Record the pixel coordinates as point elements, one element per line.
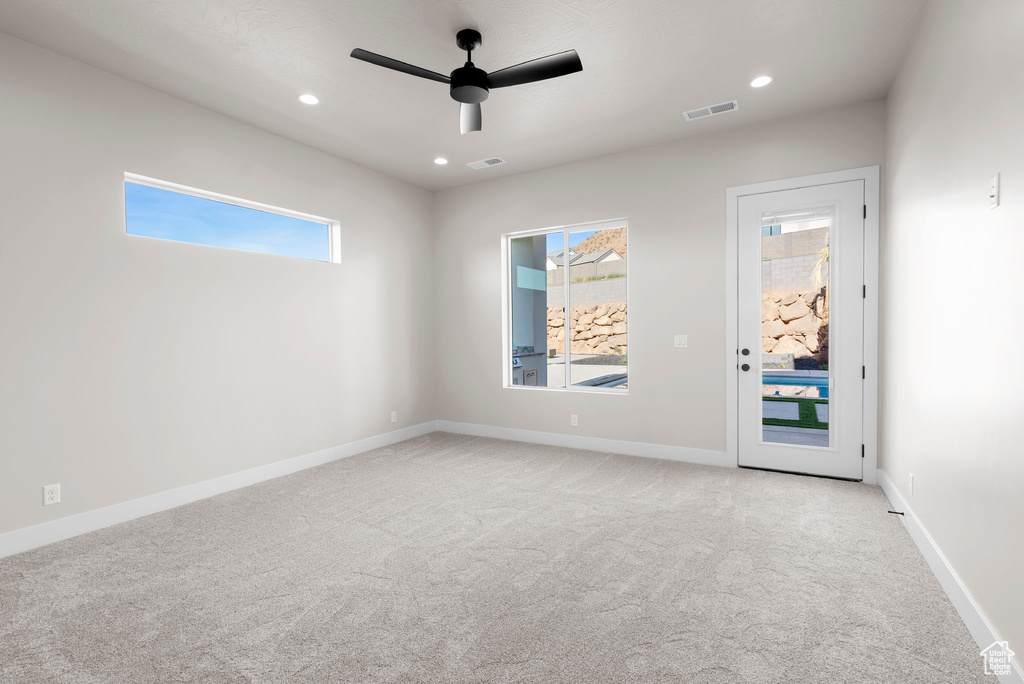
<point>808,416</point>
<point>581,279</point>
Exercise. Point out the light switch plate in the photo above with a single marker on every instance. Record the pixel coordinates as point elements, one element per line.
<point>993,192</point>
<point>680,341</point>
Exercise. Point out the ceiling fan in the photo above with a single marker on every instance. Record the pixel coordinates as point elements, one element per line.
<point>470,85</point>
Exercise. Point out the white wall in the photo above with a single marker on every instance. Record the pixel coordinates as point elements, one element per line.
<point>952,411</point>
<point>674,198</point>
<point>130,365</point>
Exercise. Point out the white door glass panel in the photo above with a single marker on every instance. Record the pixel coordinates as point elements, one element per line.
<point>795,291</point>
<point>800,276</point>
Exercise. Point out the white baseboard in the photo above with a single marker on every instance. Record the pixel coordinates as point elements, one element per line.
<point>613,446</point>
<point>35,536</point>
<point>970,612</point>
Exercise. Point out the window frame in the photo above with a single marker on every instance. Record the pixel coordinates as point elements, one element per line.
<point>333,226</point>
<point>506,305</point>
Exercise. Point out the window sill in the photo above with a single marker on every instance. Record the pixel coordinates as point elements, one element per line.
<point>580,390</point>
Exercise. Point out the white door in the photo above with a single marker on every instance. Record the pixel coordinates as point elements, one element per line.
<point>801,330</point>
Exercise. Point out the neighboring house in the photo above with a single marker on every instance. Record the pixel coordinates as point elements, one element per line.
<point>596,257</point>
<point>556,260</point>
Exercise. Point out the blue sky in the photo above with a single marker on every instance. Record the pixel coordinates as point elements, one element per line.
<point>555,239</point>
<point>153,212</point>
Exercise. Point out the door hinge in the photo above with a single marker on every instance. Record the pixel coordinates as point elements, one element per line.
<point>865,211</point>
<point>862,451</point>
<point>865,292</point>
<point>863,372</point>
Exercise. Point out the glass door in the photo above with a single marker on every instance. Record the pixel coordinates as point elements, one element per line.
<point>801,315</point>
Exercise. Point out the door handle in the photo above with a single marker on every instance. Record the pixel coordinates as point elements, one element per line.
<point>745,367</point>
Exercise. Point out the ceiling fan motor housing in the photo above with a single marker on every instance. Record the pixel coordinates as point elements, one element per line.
<point>469,84</point>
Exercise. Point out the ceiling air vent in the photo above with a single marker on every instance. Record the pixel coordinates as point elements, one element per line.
<point>712,110</point>
<point>484,163</point>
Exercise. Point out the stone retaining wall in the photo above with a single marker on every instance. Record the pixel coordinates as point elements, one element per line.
<point>594,329</point>
<point>795,323</point>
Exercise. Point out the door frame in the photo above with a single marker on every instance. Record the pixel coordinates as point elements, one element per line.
<point>870,176</point>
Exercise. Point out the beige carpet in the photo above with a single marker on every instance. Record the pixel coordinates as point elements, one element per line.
<point>458,559</point>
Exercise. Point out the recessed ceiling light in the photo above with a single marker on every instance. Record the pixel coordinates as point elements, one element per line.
<point>309,98</point>
<point>760,81</point>
<point>440,161</point>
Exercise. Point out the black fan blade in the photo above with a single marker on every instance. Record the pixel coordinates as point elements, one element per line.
<point>388,63</point>
<point>470,118</point>
<point>563,63</point>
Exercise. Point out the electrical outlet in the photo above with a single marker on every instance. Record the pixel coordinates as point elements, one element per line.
<point>574,420</point>
<point>911,484</point>
<point>51,494</point>
<point>680,340</point>
<point>394,416</point>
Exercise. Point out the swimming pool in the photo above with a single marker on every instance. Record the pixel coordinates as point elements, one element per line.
<point>798,380</point>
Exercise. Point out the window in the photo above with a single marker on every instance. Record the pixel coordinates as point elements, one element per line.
<point>567,308</point>
<point>174,212</point>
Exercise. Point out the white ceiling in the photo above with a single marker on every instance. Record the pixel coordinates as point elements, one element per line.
<point>645,63</point>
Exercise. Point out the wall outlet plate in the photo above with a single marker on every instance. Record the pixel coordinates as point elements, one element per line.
<point>394,416</point>
<point>574,420</point>
<point>51,494</point>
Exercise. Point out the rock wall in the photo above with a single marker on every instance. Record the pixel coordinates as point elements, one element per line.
<point>791,323</point>
<point>795,323</point>
<point>595,329</point>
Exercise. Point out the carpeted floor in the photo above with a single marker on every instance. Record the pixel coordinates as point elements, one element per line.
<point>459,559</point>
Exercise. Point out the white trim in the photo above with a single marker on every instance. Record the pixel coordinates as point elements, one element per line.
<point>732,348</point>
<point>35,536</point>
<point>664,452</point>
<point>572,388</point>
<point>970,612</point>
<point>872,198</point>
<point>333,227</point>
<point>506,313</point>
<point>870,176</point>
<point>603,224</point>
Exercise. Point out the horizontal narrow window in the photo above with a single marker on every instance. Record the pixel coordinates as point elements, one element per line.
<point>172,212</point>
